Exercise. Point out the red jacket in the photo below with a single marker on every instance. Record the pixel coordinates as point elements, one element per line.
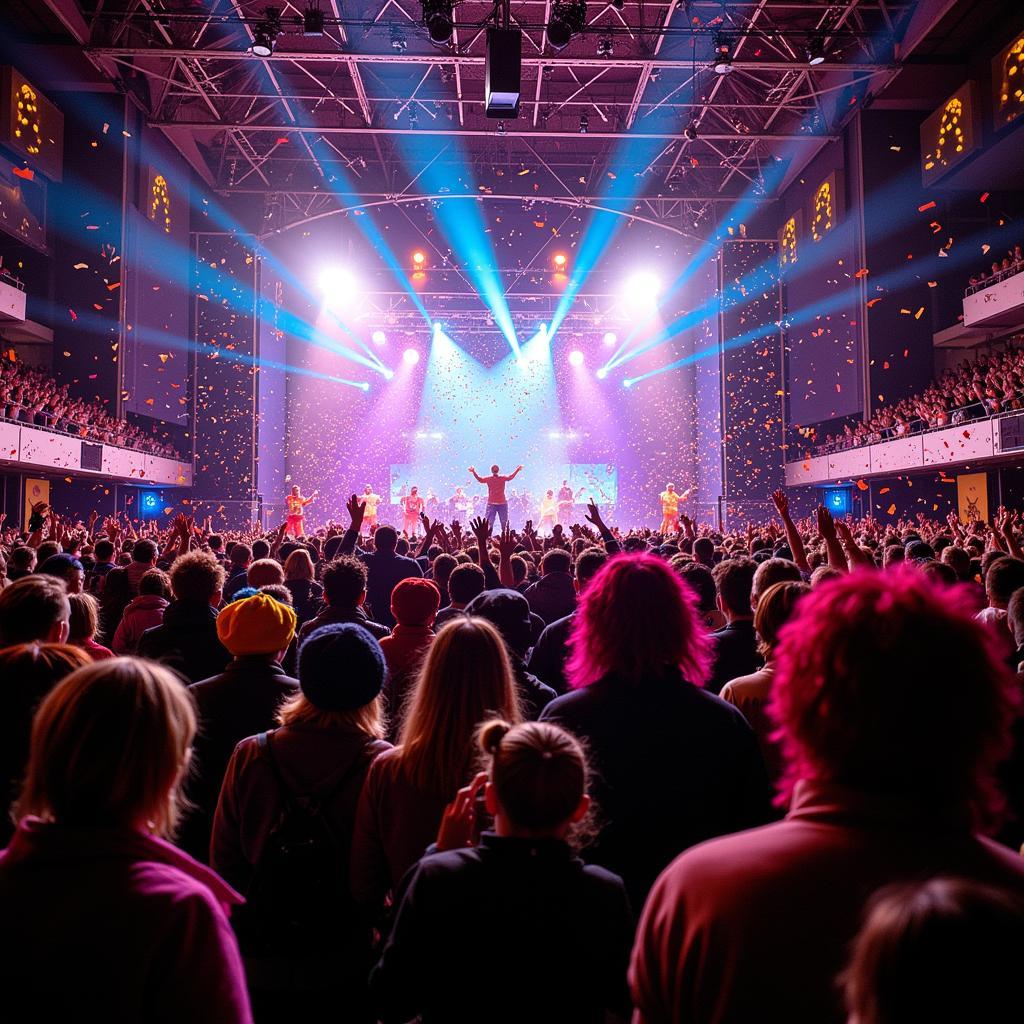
<point>757,925</point>
<point>112,924</point>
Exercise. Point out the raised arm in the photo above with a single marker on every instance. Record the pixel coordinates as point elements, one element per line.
<point>515,472</point>
<point>357,512</point>
<point>311,498</point>
<point>476,476</point>
<point>827,529</point>
<point>793,538</point>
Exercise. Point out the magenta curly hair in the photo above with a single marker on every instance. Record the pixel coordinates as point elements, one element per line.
<point>885,682</point>
<point>637,617</point>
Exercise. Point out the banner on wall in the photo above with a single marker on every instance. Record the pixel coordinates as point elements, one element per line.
<point>35,491</point>
<point>972,497</point>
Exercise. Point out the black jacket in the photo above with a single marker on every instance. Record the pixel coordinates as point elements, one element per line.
<point>511,930</point>
<point>241,701</point>
<point>187,641</point>
<point>385,573</point>
<point>534,695</point>
<point>331,615</point>
<point>735,654</point>
<point>552,597</point>
<point>673,766</point>
<point>551,652</point>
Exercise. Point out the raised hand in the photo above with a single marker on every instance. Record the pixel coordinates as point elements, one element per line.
<point>356,511</point>
<point>506,543</point>
<point>481,530</point>
<point>427,524</point>
<point>826,524</point>
<point>781,503</point>
<point>594,516</point>
<point>458,823</point>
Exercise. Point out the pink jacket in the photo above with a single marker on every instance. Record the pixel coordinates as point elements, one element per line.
<point>113,924</point>
<point>141,614</point>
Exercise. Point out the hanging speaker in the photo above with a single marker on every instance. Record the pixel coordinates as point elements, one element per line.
<point>503,72</point>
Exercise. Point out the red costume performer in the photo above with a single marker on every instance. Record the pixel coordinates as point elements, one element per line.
<point>296,505</point>
<point>412,506</point>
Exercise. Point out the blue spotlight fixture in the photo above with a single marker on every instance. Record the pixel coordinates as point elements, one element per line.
<point>838,500</point>
<point>149,504</point>
<point>602,372</point>
<point>627,382</point>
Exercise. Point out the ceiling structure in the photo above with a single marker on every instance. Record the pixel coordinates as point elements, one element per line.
<point>352,116</point>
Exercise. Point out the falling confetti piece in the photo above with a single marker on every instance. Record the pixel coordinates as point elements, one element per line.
<point>926,206</point>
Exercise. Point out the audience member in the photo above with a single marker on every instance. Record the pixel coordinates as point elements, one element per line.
<point>83,624</point>
<point>735,644</point>
<point>114,923</point>
<point>144,612</point>
<point>890,766</point>
<point>672,762</point>
<point>283,832</point>
<point>553,596</point>
<point>344,582</point>
<point>465,678</point>
<point>34,608</point>
<point>299,578</point>
<point>465,582</point>
<point>943,951</point>
<point>238,702</point>
<point>522,887</point>
<point>187,639</point>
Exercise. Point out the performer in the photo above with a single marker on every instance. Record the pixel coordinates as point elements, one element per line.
<point>565,503</point>
<point>497,503</point>
<point>296,505</point>
<point>412,506</point>
<point>670,507</point>
<point>461,504</point>
<point>369,500</point>
<point>548,513</point>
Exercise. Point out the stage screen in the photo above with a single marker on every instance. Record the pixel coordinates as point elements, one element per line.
<point>598,483</point>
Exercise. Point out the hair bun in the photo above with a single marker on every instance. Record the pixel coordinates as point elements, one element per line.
<point>491,735</point>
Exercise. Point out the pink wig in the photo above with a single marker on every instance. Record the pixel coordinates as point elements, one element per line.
<point>635,619</point>
<point>886,683</point>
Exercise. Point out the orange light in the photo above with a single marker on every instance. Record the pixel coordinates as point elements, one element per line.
<point>418,259</point>
<point>560,260</point>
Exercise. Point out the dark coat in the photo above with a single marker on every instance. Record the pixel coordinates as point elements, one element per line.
<point>735,654</point>
<point>385,572</point>
<point>552,597</point>
<point>240,702</point>
<point>551,652</point>
<point>510,930</point>
<point>187,641</point>
<point>673,766</point>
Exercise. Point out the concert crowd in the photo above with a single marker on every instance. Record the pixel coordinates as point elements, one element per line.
<point>486,774</point>
<point>35,399</point>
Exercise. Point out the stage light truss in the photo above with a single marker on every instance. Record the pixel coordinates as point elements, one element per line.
<point>335,97</point>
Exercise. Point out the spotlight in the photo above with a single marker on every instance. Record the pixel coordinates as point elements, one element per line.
<point>627,382</point>
<point>365,386</point>
<point>576,357</point>
<point>584,124</point>
<point>610,338</point>
<point>501,127</point>
<point>617,4</point>
<point>815,52</point>
<point>419,260</point>
<point>723,56</point>
<point>388,374</point>
<point>398,41</point>
<point>313,19</point>
<point>559,260</point>
<point>690,131</point>
<point>568,17</point>
<point>265,34</point>
<point>337,284</point>
<point>379,338</point>
<point>439,19</point>
<point>642,289</point>
<point>605,46</point>
<point>602,373</point>
<point>411,356</point>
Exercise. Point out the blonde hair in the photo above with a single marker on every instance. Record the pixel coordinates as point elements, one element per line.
<point>299,710</point>
<point>465,678</point>
<point>298,565</point>
<point>85,617</point>
<point>110,745</point>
